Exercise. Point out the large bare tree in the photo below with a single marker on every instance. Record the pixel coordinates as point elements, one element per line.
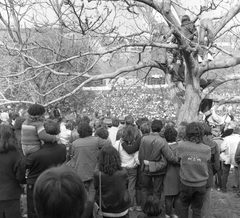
<point>105,33</point>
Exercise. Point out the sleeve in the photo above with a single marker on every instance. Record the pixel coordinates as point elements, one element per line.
<point>136,158</point>
<point>216,164</point>
<point>156,166</point>
<point>43,135</point>
<point>237,154</point>
<point>20,169</point>
<point>95,180</point>
<point>223,146</point>
<point>168,154</point>
<point>133,148</point>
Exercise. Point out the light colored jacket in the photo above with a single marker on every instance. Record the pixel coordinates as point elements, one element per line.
<point>228,149</point>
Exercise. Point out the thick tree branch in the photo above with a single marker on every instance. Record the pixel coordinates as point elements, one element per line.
<point>228,17</point>
<point>219,64</point>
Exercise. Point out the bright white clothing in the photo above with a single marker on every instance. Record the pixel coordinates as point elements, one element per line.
<point>113,134</point>
<point>228,149</point>
<point>65,134</point>
<point>128,160</point>
<point>4,116</point>
<point>206,15</point>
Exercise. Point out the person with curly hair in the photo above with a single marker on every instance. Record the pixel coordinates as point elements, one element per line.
<point>115,197</point>
<point>10,189</point>
<point>194,157</point>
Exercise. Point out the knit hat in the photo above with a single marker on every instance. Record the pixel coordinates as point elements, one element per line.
<point>185,18</point>
<point>36,109</point>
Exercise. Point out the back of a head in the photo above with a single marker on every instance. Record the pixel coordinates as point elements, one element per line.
<point>52,127</point>
<point>59,193</point>
<point>109,160</point>
<point>170,134</point>
<point>129,120</point>
<point>129,134</point>
<point>84,130</point>
<point>156,126</point>
<point>115,122</point>
<point>152,207</point>
<point>102,132</point>
<point>194,132</point>
<point>85,119</point>
<point>8,140</point>
<point>145,128</point>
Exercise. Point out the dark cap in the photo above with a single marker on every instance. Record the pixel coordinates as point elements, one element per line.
<point>36,109</point>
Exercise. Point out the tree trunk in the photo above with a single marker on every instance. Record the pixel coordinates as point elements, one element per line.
<point>189,110</point>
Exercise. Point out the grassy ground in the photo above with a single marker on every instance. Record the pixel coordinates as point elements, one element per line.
<point>223,205</point>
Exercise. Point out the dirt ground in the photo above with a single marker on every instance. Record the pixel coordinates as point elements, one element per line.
<point>223,205</point>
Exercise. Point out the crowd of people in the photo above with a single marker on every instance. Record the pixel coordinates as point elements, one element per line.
<point>112,166</point>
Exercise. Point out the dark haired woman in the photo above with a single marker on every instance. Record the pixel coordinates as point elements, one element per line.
<point>115,197</point>
<point>129,161</point>
<point>10,189</point>
<point>171,181</point>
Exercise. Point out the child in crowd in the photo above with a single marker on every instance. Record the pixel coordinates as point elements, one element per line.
<point>151,208</point>
<point>171,182</point>
<point>33,130</point>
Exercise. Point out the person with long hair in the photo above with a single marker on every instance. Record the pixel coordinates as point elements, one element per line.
<point>129,161</point>
<point>114,194</point>
<point>10,190</point>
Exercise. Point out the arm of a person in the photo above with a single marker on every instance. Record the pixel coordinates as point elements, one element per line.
<point>133,148</point>
<point>216,164</point>
<point>156,166</point>
<point>20,169</point>
<point>95,180</point>
<point>136,158</point>
<point>168,154</point>
<point>223,146</point>
<point>43,135</point>
<point>237,154</point>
